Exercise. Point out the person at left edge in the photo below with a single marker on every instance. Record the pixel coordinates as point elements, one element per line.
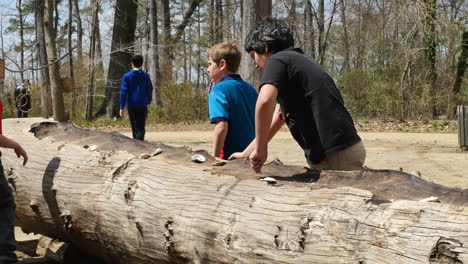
<point>7,203</point>
<point>136,92</point>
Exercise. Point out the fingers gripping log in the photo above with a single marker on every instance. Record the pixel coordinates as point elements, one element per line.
<point>126,201</point>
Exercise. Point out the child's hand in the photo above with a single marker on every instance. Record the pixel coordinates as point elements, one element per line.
<point>21,153</point>
<point>237,155</point>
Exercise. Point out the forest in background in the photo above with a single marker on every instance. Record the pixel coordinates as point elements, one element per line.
<point>391,59</point>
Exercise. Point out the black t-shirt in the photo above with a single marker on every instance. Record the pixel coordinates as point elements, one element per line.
<point>311,104</point>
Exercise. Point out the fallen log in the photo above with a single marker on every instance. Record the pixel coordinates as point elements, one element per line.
<point>125,201</point>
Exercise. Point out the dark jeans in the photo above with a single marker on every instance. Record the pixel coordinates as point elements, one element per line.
<point>21,114</point>
<point>7,215</point>
<point>137,118</point>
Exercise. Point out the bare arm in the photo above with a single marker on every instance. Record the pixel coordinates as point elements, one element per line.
<point>8,143</point>
<point>220,132</point>
<point>264,111</point>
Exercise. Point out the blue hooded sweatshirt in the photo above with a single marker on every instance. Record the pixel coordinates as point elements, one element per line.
<point>136,90</point>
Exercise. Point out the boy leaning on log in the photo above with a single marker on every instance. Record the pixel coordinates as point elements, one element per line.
<point>231,102</point>
<point>310,103</point>
<point>7,203</point>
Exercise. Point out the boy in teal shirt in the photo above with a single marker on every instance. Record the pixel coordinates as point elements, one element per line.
<point>231,102</point>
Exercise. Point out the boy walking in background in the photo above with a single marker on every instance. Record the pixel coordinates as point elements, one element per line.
<point>311,105</point>
<point>231,103</point>
<point>136,91</point>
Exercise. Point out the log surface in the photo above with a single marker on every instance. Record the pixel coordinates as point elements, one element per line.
<point>117,199</point>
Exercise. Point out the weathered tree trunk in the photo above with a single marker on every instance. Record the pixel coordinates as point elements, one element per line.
<point>166,59</point>
<point>219,18</point>
<point>460,73</point>
<point>46,98</point>
<point>123,36</point>
<point>19,6</point>
<point>92,62</point>
<point>346,47</point>
<point>79,31</point>
<point>310,31</point>
<point>98,49</point>
<point>58,107</point>
<point>431,12</point>
<point>169,41</point>
<point>69,40</point>
<point>155,69</point>
<point>321,30</point>
<point>252,11</point>
<point>97,191</point>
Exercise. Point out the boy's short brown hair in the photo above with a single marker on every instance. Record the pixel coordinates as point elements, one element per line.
<point>227,51</point>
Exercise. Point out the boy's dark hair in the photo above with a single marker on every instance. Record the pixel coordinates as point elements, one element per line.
<point>271,32</point>
<point>227,51</point>
<point>137,60</point>
<point>26,81</point>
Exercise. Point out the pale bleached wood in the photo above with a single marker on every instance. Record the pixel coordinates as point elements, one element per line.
<point>162,210</point>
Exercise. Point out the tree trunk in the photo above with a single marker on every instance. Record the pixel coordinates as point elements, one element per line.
<point>123,36</point>
<point>70,32</point>
<point>292,20</point>
<point>219,21</point>
<point>58,107</point>
<point>79,31</point>
<point>327,33</point>
<point>170,42</point>
<point>309,29</point>
<point>252,11</point>
<point>89,188</point>
<point>321,29</point>
<point>46,99</point>
<point>431,11</point>
<point>19,6</point>
<point>92,62</point>
<point>155,70</point>
<point>361,37</point>
<point>98,50</point>
<point>346,46</point>
<point>166,60</point>
<point>461,68</point>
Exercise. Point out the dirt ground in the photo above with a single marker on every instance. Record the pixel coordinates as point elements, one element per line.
<point>433,156</point>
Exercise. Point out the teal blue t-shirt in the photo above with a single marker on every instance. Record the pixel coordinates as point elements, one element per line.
<point>233,100</point>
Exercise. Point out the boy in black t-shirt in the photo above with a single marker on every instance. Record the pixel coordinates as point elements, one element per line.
<point>311,105</point>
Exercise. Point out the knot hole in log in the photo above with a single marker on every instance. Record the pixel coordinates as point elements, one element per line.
<point>169,243</point>
<point>446,250</point>
<point>120,170</point>
<point>130,192</point>
<point>292,237</point>
<point>170,247</point>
